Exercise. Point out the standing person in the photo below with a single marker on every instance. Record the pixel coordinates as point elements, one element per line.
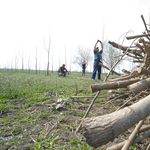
<point>62,71</point>
<point>83,67</point>
<point>97,59</point>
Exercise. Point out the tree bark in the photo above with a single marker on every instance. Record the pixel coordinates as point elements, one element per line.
<point>142,70</point>
<point>122,78</point>
<point>137,36</point>
<point>87,96</point>
<point>102,129</point>
<point>139,46</point>
<point>126,71</point>
<point>136,88</point>
<point>124,48</point>
<point>112,85</point>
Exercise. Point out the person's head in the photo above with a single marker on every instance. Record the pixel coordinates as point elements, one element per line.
<point>63,65</point>
<point>97,49</point>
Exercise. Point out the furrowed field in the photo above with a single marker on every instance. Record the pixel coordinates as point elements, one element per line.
<point>29,114</point>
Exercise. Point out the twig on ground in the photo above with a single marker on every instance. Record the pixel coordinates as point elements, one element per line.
<point>32,139</point>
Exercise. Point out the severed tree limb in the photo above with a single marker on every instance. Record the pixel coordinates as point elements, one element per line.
<point>137,87</point>
<point>87,96</point>
<point>124,48</point>
<point>126,71</point>
<point>139,46</point>
<point>129,142</point>
<point>137,36</point>
<point>102,129</point>
<point>122,78</point>
<point>108,69</point>
<point>148,147</point>
<point>112,85</point>
<point>143,70</point>
<point>138,61</point>
<point>134,56</point>
<point>144,44</point>
<point>139,138</point>
<point>145,25</point>
<point>143,129</point>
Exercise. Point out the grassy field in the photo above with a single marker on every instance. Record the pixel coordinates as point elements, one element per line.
<point>27,118</point>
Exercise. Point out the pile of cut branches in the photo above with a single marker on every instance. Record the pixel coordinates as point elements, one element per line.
<point>135,85</point>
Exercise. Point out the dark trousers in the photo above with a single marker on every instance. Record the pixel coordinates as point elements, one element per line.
<point>60,74</point>
<point>96,68</point>
<point>83,71</point>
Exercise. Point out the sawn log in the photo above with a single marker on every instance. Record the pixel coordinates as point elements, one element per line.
<point>112,85</point>
<point>137,87</point>
<point>142,70</point>
<point>108,69</point>
<point>102,129</point>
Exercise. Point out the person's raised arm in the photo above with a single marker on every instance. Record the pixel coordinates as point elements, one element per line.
<point>96,44</point>
<point>101,45</point>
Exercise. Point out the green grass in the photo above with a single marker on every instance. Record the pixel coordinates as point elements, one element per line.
<point>24,98</point>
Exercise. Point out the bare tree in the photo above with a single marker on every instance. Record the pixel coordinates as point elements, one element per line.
<point>70,65</point>
<point>65,56</point>
<point>59,58</point>
<point>48,52</point>
<point>22,57</point>
<point>29,64</point>
<point>52,63</point>
<point>39,65</point>
<point>109,55</point>
<point>12,64</point>
<point>16,63</point>
<point>36,59</point>
<point>83,54</point>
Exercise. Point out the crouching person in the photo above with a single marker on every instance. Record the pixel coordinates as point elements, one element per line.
<point>62,71</point>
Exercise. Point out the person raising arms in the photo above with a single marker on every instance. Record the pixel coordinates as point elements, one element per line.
<point>97,59</point>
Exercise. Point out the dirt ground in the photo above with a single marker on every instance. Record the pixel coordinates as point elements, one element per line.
<point>69,120</point>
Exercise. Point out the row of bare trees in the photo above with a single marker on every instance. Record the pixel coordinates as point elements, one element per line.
<point>82,54</point>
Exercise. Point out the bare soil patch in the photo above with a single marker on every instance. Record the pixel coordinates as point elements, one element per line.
<point>62,122</point>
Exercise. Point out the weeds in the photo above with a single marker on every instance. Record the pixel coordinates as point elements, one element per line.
<point>24,100</point>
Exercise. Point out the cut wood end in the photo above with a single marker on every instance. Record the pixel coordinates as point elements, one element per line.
<point>91,89</point>
<point>140,70</point>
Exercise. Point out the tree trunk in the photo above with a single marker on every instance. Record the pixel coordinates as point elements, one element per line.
<point>112,85</point>
<point>48,65</point>
<point>102,129</point>
<point>139,86</point>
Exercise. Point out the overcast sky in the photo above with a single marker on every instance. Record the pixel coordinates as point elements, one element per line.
<point>70,23</point>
